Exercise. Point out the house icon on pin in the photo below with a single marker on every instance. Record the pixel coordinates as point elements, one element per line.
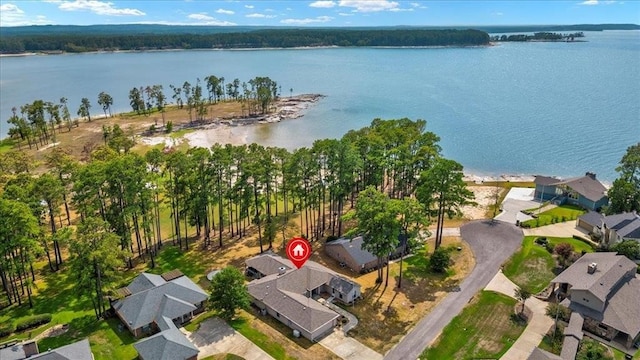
<point>298,251</point>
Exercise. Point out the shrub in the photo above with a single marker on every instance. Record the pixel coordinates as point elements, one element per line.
<point>549,247</point>
<point>440,260</point>
<point>152,128</point>
<point>563,312</point>
<point>541,241</point>
<point>169,126</point>
<point>32,321</point>
<point>7,329</point>
<point>331,238</point>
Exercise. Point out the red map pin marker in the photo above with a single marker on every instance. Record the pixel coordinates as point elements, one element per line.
<point>298,251</point>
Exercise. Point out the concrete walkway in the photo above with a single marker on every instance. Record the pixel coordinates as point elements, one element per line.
<point>347,348</point>
<point>516,200</point>
<point>216,337</point>
<point>353,320</point>
<point>537,327</point>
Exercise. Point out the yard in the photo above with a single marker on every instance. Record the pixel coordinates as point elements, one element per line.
<point>385,315</point>
<point>532,266</point>
<point>557,214</point>
<point>486,328</point>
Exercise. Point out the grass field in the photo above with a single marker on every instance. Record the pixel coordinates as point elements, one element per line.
<point>486,328</point>
<point>558,214</point>
<point>532,266</point>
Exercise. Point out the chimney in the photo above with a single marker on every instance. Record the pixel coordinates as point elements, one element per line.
<point>591,175</point>
<point>282,270</point>
<point>592,268</point>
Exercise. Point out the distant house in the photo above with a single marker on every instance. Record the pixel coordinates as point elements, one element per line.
<point>288,294</point>
<point>79,350</point>
<point>349,253</point>
<point>585,191</point>
<point>150,298</point>
<point>611,228</point>
<point>604,292</point>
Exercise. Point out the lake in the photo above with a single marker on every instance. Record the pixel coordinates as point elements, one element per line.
<point>514,108</point>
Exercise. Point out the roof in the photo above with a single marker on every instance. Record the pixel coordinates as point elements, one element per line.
<point>592,218</point>
<point>285,293</point>
<point>575,326</point>
<point>626,225</point>
<point>79,350</point>
<point>610,269</point>
<point>170,344</point>
<point>545,180</point>
<point>269,263</point>
<point>539,354</point>
<point>586,186</point>
<point>172,299</point>
<point>353,248</point>
<point>144,282</point>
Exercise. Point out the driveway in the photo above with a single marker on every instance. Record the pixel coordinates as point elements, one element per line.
<point>537,327</point>
<point>348,348</point>
<point>564,229</point>
<point>517,199</point>
<point>215,336</point>
<point>492,243</point>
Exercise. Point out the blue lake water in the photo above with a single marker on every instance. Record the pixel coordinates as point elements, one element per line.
<point>515,108</point>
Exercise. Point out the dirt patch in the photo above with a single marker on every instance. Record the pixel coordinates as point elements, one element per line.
<point>56,330</point>
<point>484,197</point>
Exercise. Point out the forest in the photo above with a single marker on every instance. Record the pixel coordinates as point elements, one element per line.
<point>11,43</point>
<point>107,213</point>
<point>539,36</point>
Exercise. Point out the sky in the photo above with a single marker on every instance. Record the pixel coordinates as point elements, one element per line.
<point>318,13</point>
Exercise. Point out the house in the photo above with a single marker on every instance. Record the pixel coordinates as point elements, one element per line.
<point>288,294</point>
<point>150,298</point>
<point>604,290</point>
<point>349,253</point>
<point>611,228</point>
<point>169,344</point>
<point>79,350</point>
<point>585,191</point>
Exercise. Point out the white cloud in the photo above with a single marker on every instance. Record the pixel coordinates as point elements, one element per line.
<point>98,7</point>
<point>12,15</point>
<point>400,9</point>
<point>323,4</point>
<point>345,14</point>
<point>260,16</point>
<point>319,19</point>
<point>369,5</point>
<point>226,12</point>
<point>200,17</point>
<point>249,6</point>
<point>589,2</point>
<point>415,4</point>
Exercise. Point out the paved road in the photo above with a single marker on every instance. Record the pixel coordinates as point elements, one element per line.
<point>492,244</point>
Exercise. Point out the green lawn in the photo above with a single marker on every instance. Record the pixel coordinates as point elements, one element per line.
<point>261,340</point>
<point>619,355</point>
<point>532,266</point>
<point>558,214</point>
<point>484,329</point>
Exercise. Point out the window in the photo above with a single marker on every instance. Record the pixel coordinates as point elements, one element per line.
<point>277,314</point>
<point>585,300</point>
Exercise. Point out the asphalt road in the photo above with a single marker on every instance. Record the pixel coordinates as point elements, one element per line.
<point>492,244</point>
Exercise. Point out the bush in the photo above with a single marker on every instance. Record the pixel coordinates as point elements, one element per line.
<point>541,241</point>
<point>169,126</point>
<point>7,329</point>
<point>440,260</point>
<point>331,238</point>
<point>564,313</point>
<point>32,321</point>
<point>549,247</point>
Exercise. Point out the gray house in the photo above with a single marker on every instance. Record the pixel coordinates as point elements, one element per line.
<point>604,290</point>
<point>288,294</point>
<point>169,344</point>
<point>79,350</point>
<point>149,298</point>
<point>611,228</point>
<point>585,191</point>
<point>349,253</point>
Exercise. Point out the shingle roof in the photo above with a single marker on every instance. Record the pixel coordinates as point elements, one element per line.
<point>174,298</point>
<point>610,269</point>
<point>268,264</point>
<point>627,225</point>
<point>170,344</point>
<point>285,293</point>
<point>79,350</point>
<point>592,218</point>
<point>539,354</point>
<point>586,186</point>
<point>144,282</point>
<point>575,326</point>
<point>353,248</point>
<point>545,180</point>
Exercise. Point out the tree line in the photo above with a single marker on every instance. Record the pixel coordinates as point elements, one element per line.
<point>278,38</point>
<point>37,122</point>
<point>222,194</point>
<point>539,36</point>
